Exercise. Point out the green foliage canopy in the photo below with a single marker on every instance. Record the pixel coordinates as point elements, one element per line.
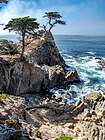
<point>64,138</point>
<point>52,15</point>
<point>54,19</point>
<point>22,26</point>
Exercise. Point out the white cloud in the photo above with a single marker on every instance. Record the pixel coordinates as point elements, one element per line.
<point>81,18</point>
<point>19,9</point>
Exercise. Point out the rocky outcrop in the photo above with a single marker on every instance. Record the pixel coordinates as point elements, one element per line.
<point>49,119</point>
<point>8,47</point>
<point>93,97</point>
<point>101,64</point>
<point>22,77</point>
<point>45,52</point>
<point>43,68</point>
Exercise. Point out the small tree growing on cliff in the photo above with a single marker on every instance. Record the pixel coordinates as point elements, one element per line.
<point>22,26</point>
<point>53,19</point>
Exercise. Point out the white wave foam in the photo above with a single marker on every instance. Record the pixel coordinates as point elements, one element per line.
<point>93,79</point>
<point>92,53</point>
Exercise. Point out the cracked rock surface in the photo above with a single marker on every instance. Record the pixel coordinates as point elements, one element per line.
<point>48,120</point>
<point>43,68</point>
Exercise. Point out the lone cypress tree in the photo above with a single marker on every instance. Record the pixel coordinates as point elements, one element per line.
<point>22,26</point>
<point>53,19</point>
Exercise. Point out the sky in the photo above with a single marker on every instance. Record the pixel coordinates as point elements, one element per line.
<point>83,17</point>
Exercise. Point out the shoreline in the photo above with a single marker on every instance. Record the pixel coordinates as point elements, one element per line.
<point>45,117</point>
<point>51,120</point>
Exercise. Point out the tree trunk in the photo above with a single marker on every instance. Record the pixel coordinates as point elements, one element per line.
<point>50,28</point>
<point>23,45</point>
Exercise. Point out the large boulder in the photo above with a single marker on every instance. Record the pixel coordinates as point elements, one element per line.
<point>93,97</point>
<point>71,76</point>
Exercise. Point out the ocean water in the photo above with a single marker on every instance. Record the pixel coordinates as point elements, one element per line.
<point>13,38</point>
<point>84,54</point>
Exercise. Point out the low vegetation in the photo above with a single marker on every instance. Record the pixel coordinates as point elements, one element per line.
<point>64,138</point>
<point>3,95</point>
<point>16,136</point>
<point>38,134</point>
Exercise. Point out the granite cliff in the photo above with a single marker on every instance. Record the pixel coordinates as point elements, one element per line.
<point>43,68</point>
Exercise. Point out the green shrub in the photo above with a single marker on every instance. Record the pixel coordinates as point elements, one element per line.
<point>38,134</point>
<point>15,136</point>
<point>3,95</point>
<point>13,124</point>
<point>64,138</point>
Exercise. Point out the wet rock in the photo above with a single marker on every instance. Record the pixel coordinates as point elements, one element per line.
<point>101,64</point>
<point>56,75</point>
<point>78,102</point>
<point>93,97</point>
<point>72,76</point>
<point>79,109</point>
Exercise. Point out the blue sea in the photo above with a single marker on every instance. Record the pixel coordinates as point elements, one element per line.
<point>84,54</point>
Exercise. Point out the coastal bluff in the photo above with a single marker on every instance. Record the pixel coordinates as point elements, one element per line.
<point>42,68</point>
